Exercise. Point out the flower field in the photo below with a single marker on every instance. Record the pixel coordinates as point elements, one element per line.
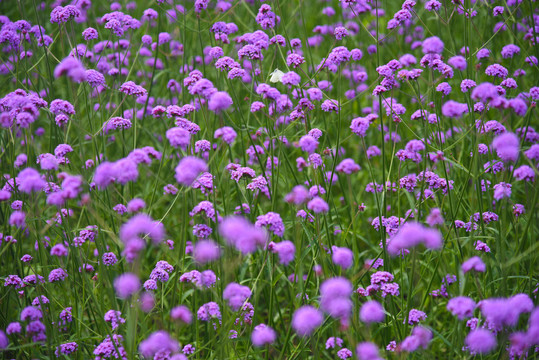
<point>245,179</point>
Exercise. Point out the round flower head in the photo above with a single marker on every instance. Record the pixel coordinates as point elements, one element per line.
<point>481,341</point>
<point>462,307</point>
<point>372,311</point>
<point>189,169</point>
<point>263,335</point>
<point>342,257</point>
<point>286,251</point>
<point>506,146</point>
<point>335,297</point>
<point>473,263</point>
<point>433,45</point>
<point>367,351</point>
<point>206,251</point>
<point>413,234</point>
<point>126,285</point>
<point>306,319</point>
<point>219,101</point>
<point>159,342</point>
<point>181,313</point>
<point>236,295</point>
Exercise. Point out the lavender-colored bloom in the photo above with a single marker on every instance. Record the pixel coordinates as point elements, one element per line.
<point>72,68</point>
<point>415,316</point>
<point>219,101</point>
<point>181,313</point>
<point>502,190</point>
<point>344,353</point>
<point>347,166</point>
<point>286,251</point>
<point>432,45</point>
<point>89,34</point>
<point>4,341</point>
<point>413,234</point>
<point>29,180</point>
<point>306,320</point>
<point>367,351</point>
<point>142,225</point>
<point>206,251</point>
<point>263,335</point>
<point>178,137</point>
<point>109,259</point>
<point>342,257</point>
<point>18,219</point>
<point>371,312</point>
<point>126,285</point>
<point>318,205</point>
<point>474,263</point>
<point>420,337</point>
<point>130,88</point>
<point>462,307</point>
<point>236,295</point>
<point>481,341</point>
<point>243,235</point>
<point>57,275</point>
<point>271,221</point>
<point>189,169</point>
<point>335,297</point>
<point>506,146</point>
<point>159,342</point>
<point>525,173</point>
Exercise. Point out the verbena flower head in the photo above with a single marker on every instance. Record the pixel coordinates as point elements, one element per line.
<point>306,320</point>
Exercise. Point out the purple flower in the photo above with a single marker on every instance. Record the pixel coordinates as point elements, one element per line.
<point>57,275</point>
<point>525,173</point>
<point>241,234</point>
<point>263,335</point>
<point>462,307</point>
<point>420,338</point>
<point>219,101</point>
<point>18,219</point>
<point>318,205</point>
<point>159,342</point>
<point>371,312</point>
<point>474,263</point>
<point>335,297</point>
<point>502,190</point>
<point>130,88</point>
<point>272,221</point>
<point>89,34</point>
<point>432,45</point>
<point>306,319</point>
<point>29,180</point>
<point>236,295</point>
<point>109,259</point>
<point>413,234</point>
<point>480,341</point>
<point>286,251</point>
<point>367,351</point>
<point>126,285</point>
<point>506,146</point>
<point>340,32</point>
<point>415,316</point>
<point>344,353</point>
<point>181,313</point>
<point>342,257</point>
<point>142,225</point>
<point>189,169</point>
<point>206,251</point>
<point>178,137</point>
<point>72,68</point>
